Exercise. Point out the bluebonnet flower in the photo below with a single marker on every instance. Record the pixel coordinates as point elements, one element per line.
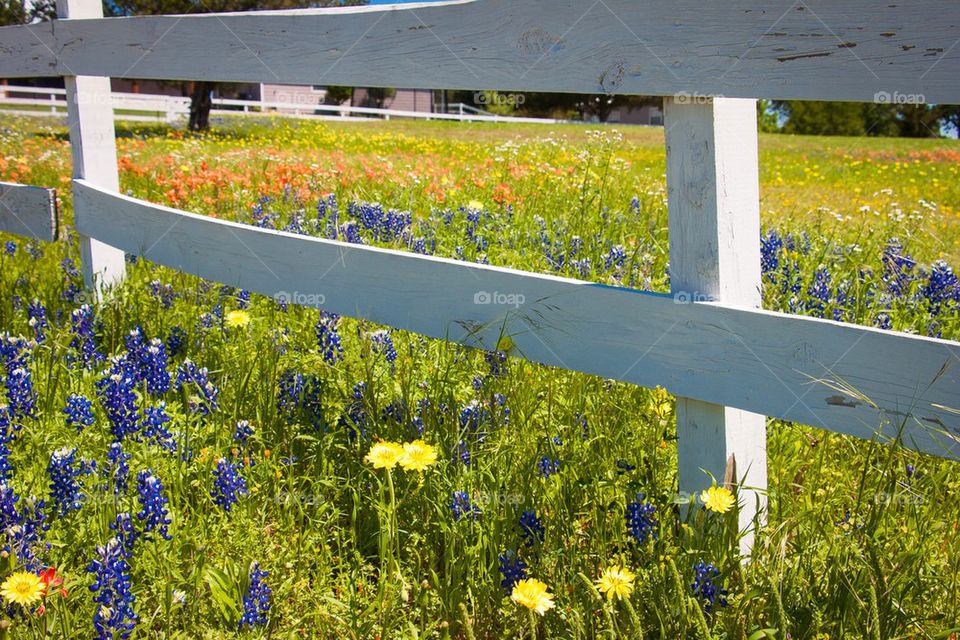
<point>37,314</point>
<point>513,570</point>
<point>383,344</point>
<point>21,396</point>
<point>635,205</point>
<point>14,351</point>
<point>175,341</point>
<point>942,287</point>
<point>911,470</point>
<point>547,466</point>
<point>243,299</point>
<point>10,247</point>
<point>125,534</point>
<point>819,292</point>
<point>119,469</point>
<point>705,588</point>
<point>351,232</point>
<point>242,432</point>
<point>153,503</point>
<point>641,523</point>
<point>115,616</point>
<point>615,257</point>
<point>155,429</point>
<point>883,321</point>
<point>78,412</point>
<point>463,453</point>
<point>624,467</point>
<point>34,250</point>
<point>531,528</point>
<point>23,529</point>
<point>385,225</point>
<point>162,293</point>
<point>6,437</point>
<point>897,268</point>
<point>290,385</point>
<point>462,508</point>
<point>84,342</point>
<point>328,340</point>
<point>256,601</point>
<point>497,361</point>
<point>118,399</point>
<point>771,245</point>
<point>64,470</point>
<point>151,362</point>
<point>228,485</point>
<point>189,375</point>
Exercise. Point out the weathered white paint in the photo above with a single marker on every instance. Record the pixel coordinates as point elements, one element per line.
<point>755,360</point>
<point>713,196</point>
<point>93,146</point>
<point>816,50</point>
<point>28,211</point>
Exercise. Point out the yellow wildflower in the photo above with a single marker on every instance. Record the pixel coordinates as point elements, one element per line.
<point>718,499</point>
<point>237,318</point>
<point>616,582</point>
<point>385,455</point>
<point>532,594</point>
<point>418,455</point>
<point>23,588</point>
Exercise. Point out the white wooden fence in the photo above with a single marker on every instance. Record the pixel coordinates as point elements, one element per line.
<point>729,362</point>
<point>161,108</point>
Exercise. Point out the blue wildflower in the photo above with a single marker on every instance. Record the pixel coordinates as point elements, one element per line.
<point>242,432</point>
<point>641,523</point>
<point>10,247</point>
<point>228,485</point>
<point>513,570</point>
<point>175,341</point>
<point>531,528</point>
<point>383,344</point>
<point>125,534</point>
<point>23,529</point>
<point>328,340</point>
<point>162,293</point>
<point>705,587</point>
<point>21,396</point>
<point>78,412</point>
<point>64,470</point>
<point>37,314</point>
<point>155,429</point>
<point>547,466</point>
<point>197,379</point>
<point>115,616</point>
<point>84,341</point>
<point>153,504</point>
<point>462,508</point>
<point>119,469</point>
<point>115,391</point>
<point>256,601</point>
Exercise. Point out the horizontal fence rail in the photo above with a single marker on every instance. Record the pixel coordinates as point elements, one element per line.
<point>860,50</point>
<point>173,108</point>
<point>818,372</point>
<point>28,211</point>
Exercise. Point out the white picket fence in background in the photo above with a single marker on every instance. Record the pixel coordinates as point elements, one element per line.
<point>729,362</point>
<point>145,107</point>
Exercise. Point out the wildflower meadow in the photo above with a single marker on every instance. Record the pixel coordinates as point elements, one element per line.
<point>183,459</point>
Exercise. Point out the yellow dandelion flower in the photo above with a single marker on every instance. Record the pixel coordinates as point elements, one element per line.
<point>418,455</point>
<point>237,318</point>
<point>718,499</point>
<point>616,582</point>
<point>23,588</point>
<point>532,594</point>
<point>385,455</point>
<point>476,205</point>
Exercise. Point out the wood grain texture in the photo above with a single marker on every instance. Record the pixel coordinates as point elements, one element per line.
<point>93,148</point>
<point>28,211</point>
<point>818,372</point>
<point>818,50</point>
<point>713,199</point>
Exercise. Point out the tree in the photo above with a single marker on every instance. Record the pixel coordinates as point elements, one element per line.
<point>201,92</point>
<point>338,95</point>
<point>377,96</point>
<point>905,119</point>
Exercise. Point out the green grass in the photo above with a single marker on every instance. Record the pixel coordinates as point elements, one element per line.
<point>853,547</point>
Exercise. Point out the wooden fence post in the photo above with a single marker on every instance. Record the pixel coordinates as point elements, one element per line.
<point>94,149</point>
<point>714,213</point>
